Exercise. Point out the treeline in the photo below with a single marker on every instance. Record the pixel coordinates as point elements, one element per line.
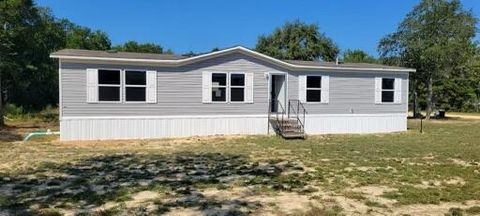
<point>436,38</point>
<point>28,34</point>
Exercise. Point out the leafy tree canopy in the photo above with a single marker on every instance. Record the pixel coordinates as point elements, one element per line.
<point>132,46</point>
<point>28,35</point>
<point>436,38</point>
<point>358,56</point>
<point>298,41</point>
<point>78,37</point>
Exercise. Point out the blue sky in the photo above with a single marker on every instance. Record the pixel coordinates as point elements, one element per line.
<point>199,26</point>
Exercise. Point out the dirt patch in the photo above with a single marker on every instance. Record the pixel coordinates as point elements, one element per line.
<point>373,190</point>
<point>464,116</point>
<point>354,167</point>
<point>153,142</point>
<point>286,203</point>
<point>463,163</point>
<point>241,200</point>
<point>350,206</point>
<point>455,181</point>
<point>184,212</point>
<point>428,157</point>
<point>144,196</point>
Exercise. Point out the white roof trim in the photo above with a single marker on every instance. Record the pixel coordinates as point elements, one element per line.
<point>180,62</point>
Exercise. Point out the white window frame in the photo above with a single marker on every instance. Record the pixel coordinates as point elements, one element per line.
<point>110,85</point>
<point>307,88</point>
<point>382,90</point>
<point>227,92</point>
<point>125,85</point>
<point>230,87</point>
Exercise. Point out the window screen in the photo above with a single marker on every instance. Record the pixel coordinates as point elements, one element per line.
<point>314,89</point>
<point>219,87</point>
<point>135,85</point>
<point>388,90</point>
<point>237,87</point>
<point>109,85</point>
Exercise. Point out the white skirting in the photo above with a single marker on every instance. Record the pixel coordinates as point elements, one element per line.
<point>146,127</point>
<point>355,123</point>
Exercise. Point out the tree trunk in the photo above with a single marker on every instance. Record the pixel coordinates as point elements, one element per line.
<point>414,99</point>
<point>2,123</point>
<point>415,109</point>
<point>429,96</point>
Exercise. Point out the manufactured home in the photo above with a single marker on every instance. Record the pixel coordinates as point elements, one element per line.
<point>120,95</point>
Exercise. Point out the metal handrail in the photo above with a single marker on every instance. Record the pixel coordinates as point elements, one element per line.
<point>297,112</point>
<point>294,111</point>
<point>280,116</point>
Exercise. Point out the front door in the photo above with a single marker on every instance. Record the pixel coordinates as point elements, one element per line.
<point>278,96</point>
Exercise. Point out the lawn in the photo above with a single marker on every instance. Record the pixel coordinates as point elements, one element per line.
<point>409,173</point>
<point>464,113</point>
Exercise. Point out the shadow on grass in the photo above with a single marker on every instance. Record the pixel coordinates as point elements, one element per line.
<point>90,183</point>
<point>7,135</point>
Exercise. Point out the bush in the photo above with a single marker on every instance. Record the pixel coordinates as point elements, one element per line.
<point>18,113</point>
<point>12,110</point>
<point>49,114</point>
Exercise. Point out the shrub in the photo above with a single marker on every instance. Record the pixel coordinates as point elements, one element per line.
<point>18,113</point>
<point>11,110</point>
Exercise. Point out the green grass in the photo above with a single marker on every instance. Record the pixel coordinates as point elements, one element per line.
<point>475,210</point>
<point>448,149</point>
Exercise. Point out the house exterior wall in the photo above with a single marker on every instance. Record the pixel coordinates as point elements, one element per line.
<point>179,111</point>
<point>351,93</point>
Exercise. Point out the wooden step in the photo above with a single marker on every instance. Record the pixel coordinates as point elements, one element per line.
<point>289,128</point>
<point>293,135</point>
<point>294,129</point>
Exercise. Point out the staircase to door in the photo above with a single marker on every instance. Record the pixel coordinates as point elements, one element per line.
<point>288,122</point>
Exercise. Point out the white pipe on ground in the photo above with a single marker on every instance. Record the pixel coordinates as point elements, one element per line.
<point>47,133</point>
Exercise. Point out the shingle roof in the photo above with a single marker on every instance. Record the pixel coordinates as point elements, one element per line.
<point>114,54</point>
<point>176,60</point>
<point>342,65</point>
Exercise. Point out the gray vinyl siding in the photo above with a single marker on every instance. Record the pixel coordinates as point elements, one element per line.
<point>352,92</point>
<point>179,90</point>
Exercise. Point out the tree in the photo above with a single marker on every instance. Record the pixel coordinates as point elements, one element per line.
<point>78,37</point>
<point>357,56</point>
<point>28,34</point>
<point>36,83</point>
<point>17,21</point>
<point>132,46</point>
<point>436,38</point>
<point>298,41</point>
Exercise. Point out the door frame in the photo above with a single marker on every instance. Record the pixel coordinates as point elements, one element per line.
<point>269,99</point>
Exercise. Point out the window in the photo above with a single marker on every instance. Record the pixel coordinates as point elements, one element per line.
<point>109,85</point>
<point>219,87</point>
<point>314,88</point>
<point>237,87</point>
<point>388,90</point>
<point>135,86</point>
